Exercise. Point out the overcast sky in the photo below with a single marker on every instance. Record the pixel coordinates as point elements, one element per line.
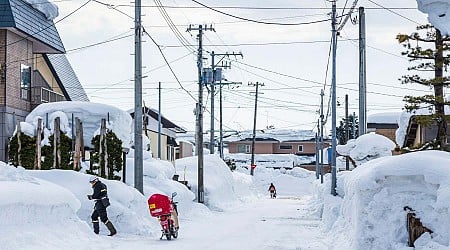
<point>291,60</point>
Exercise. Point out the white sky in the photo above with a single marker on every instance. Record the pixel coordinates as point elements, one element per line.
<point>105,70</point>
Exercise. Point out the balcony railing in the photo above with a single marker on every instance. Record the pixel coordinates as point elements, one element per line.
<point>43,95</point>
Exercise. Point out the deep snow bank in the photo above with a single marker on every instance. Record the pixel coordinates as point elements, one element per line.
<point>31,208</point>
<point>222,186</point>
<point>371,215</point>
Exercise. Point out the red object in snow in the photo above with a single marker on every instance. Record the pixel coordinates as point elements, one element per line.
<point>253,166</point>
<point>159,204</point>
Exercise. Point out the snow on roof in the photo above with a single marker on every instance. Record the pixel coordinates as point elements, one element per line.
<point>90,115</point>
<point>438,13</point>
<point>281,135</point>
<point>386,118</point>
<point>367,147</point>
<point>50,10</point>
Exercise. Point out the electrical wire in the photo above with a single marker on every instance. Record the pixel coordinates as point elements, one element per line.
<point>391,10</point>
<point>256,21</point>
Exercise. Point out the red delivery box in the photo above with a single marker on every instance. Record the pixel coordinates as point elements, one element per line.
<point>159,204</point>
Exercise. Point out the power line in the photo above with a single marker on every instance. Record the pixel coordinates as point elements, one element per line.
<point>168,64</point>
<point>259,8</point>
<point>48,26</point>
<point>256,21</point>
<point>391,10</point>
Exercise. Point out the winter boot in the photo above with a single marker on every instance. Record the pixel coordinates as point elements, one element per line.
<point>112,230</point>
<point>96,227</point>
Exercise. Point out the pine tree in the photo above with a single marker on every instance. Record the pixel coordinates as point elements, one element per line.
<point>27,151</point>
<point>114,163</point>
<point>352,129</point>
<point>65,148</point>
<point>435,58</point>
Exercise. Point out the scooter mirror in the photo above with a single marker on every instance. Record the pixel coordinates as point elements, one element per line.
<point>174,194</point>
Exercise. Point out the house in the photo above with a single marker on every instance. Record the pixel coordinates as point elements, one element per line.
<point>33,67</point>
<point>274,141</point>
<point>186,145</point>
<point>384,124</point>
<point>416,134</point>
<point>169,132</point>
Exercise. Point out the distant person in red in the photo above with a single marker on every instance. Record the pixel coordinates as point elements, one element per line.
<point>273,191</point>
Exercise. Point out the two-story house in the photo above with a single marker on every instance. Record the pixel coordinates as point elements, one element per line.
<point>168,133</point>
<point>33,67</point>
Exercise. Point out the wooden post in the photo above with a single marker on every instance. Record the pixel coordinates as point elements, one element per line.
<point>37,162</point>
<point>19,144</point>
<point>102,149</point>
<point>83,153</point>
<point>77,153</point>
<point>56,144</point>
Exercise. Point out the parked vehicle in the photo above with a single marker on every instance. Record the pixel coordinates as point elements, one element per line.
<point>165,209</point>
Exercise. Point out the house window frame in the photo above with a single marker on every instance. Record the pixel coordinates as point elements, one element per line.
<point>246,149</point>
<point>300,148</point>
<point>25,87</point>
<point>286,147</point>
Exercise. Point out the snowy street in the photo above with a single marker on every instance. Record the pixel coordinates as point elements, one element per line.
<point>282,223</point>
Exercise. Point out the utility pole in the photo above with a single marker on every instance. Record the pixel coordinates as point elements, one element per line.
<point>321,135</point>
<point>215,75</point>
<point>159,121</point>
<point>252,165</point>
<point>220,122</point>
<point>333,100</point>
<point>199,110</point>
<point>211,136</point>
<point>138,158</point>
<point>317,150</point>
<point>362,73</point>
<point>221,118</point>
<point>347,136</point>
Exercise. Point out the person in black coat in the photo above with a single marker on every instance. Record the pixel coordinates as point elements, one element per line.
<point>100,196</point>
<point>272,190</point>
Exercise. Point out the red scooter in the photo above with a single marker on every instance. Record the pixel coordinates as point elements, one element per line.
<point>165,209</point>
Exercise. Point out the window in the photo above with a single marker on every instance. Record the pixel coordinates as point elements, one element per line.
<point>286,147</point>
<point>25,81</point>
<point>300,148</point>
<point>242,148</point>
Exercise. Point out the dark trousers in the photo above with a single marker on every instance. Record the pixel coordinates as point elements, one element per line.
<point>99,211</point>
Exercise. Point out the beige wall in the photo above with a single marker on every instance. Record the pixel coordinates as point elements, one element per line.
<point>185,149</point>
<point>309,147</point>
<point>154,144</point>
<point>40,65</point>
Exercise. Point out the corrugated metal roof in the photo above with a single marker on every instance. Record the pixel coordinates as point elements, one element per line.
<point>22,16</point>
<point>67,78</point>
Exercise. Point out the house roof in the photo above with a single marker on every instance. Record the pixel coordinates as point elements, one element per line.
<point>281,135</point>
<point>66,77</point>
<point>166,123</point>
<point>20,17</point>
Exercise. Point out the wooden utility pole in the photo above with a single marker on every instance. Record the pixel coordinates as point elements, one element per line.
<point>252,164</point>
<point>37,161</point>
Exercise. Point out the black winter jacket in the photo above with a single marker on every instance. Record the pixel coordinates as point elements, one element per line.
<point>100,191</point>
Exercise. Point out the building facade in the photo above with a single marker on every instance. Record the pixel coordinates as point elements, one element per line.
<point>33,67</point>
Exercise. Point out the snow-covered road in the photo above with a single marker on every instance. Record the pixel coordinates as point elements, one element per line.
<point>282,223</point>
